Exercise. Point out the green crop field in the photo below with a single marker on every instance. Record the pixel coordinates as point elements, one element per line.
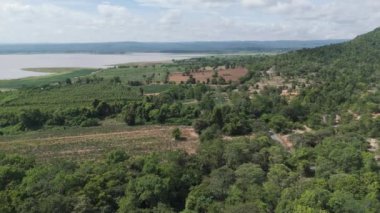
<point>80,95</point>
<point>154,73</point>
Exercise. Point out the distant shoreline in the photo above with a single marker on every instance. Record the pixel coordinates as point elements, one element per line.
<point>203,47</point>
<point>20,66</point>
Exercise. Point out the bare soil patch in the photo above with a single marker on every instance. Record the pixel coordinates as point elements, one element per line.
<point>203,76</point>
<point>303,131</point>
<point>91,146</point>
<point>284,141</point>
<point>374,148</point>
<point>374,145</point>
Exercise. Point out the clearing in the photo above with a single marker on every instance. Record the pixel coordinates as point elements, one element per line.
<point>283,140</point>
<point>203,76</point>
<point>374,147</point>
<point>92,143</point>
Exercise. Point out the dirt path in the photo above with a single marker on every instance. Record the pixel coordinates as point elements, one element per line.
<point>90,145</point>
<point>303,131</point>
<point>283,140</point>
<point>355,115</point>
<point>374,147</point>
<point>147,131</point>
<point>152,94</point>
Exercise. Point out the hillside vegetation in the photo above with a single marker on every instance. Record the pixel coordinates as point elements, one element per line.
<point>298,133</point>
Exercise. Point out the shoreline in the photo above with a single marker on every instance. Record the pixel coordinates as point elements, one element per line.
<point>40,65</point>
<point>43,71</point>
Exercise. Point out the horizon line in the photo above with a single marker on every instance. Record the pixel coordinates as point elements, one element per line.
<point>173,42</point>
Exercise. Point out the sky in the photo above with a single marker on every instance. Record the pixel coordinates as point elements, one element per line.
<point>63,21</point>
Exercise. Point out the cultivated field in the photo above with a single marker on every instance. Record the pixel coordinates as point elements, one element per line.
<point>154,73</point>
<point>81,95</point>
<point>92,143</point>
<point>204,76</point>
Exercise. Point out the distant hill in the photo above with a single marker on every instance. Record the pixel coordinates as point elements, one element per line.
<point>364,48</point>
<point>355,55</point>
<point>342,75</point>
<point>179,47</point>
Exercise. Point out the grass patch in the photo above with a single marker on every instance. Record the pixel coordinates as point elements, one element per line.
<point>153,73</point>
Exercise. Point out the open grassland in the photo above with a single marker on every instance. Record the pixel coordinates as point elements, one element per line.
<point>153,73</point>
<point>91,143</point>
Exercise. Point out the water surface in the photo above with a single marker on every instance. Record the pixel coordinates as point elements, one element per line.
<point>11,66</point>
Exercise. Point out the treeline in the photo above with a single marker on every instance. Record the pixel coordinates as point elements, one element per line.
<point>35,119</point>
<point>215,62</point>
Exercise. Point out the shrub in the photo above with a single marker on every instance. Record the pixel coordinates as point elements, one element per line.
<point>177,134</point>
<point>32,119</point>
<point>90,122</point>
<point>117,157</point>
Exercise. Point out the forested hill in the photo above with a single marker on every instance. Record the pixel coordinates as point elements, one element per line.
<point>364,49</point>
<point>336,78</point>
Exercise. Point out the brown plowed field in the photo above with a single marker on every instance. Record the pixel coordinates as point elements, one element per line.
<point>91,146</point>
<point>202,76</point>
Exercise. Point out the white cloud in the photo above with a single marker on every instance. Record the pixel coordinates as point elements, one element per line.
<point>109,10</point>
<point>189,4</point>
<point>179,20</point>
<point>22,22</point>
<point>206,4</point>
<point>114,15</point>
<point>171,17</point>
<point>259,3</point>
<point>9,7</point>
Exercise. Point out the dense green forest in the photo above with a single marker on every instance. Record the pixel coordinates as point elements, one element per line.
<point>325,101</point>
